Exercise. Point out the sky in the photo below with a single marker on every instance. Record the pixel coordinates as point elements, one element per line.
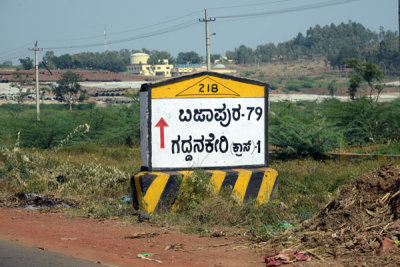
<point>74,26</point>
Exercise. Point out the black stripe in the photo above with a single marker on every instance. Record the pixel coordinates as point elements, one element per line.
<point>230,180</point>
<point>170,191</point>
<point>254,184</point>
<point>266,110</point>
<point>135,199</point>
<point>274,192</point>
<point>149,130</point>
<point>145,181</point>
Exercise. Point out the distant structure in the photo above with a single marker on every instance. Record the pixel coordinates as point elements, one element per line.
<point>139,66</point>
<point>181,69</point>
<point>105,39</point>
<point>220,68</point>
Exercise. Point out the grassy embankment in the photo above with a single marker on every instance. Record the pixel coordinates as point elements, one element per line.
<point>60,156</point>
<point>310,76</point>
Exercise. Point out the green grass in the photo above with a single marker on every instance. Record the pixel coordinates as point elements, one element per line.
<point>90,175</point>
<point>114,124</point>
<point>95,167</point>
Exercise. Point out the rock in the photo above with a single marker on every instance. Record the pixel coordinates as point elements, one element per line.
<point>386,245</point>
<point>282,206</point>
<point>144,217</point>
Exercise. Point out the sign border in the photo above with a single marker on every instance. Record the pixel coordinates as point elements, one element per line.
<point>147,87</point>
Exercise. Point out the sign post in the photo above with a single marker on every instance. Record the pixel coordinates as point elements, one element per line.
<point>205,121</point>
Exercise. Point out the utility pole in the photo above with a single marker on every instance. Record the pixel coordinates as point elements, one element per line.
<point>36,49</point>
<point>105,39</point>
<point>206,20</point>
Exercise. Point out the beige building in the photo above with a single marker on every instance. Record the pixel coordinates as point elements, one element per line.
<point>163,69</point>
<point>139,66</point>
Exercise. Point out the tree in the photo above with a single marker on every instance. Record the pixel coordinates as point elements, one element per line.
<point>27,63</point>
<point>20,82</point>
<point>354,83</point>
<point>214,57</point>
<point>68,88</point>
<point>332,87</point>
<point>368,72</point>
<point>6,64</point>
<point>188,58</point>
<point>244,55</point>
<point>157,57</point>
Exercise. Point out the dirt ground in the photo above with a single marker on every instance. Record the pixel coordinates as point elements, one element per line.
<point>117,243</point>
<point>358,227</point>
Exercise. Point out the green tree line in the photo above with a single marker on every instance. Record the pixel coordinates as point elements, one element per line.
<point>334,42</point>
<point>115,61</point>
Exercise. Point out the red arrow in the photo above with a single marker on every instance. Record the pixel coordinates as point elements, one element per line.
<point>161,123</point>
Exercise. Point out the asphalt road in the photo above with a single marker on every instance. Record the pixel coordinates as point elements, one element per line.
<point>15,255</point>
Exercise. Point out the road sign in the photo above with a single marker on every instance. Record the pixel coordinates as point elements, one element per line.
<point>206,120</point>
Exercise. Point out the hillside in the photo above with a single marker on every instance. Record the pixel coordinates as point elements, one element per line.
<point>333,43</point>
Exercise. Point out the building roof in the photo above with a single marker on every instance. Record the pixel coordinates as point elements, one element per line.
<point>220,66</point>
<point>190,65</point>
<point>87,75</point>
<point>140,54</point>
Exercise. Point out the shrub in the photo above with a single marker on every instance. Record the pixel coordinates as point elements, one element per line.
<point>362,122</point>
<point>110,125</point>
<point>302,139</point>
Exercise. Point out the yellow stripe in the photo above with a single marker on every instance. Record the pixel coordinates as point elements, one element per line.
<point>186,174</point>
<point>155,190</point>
<point>217,179</point>
<point>199,86</point>
<point>267,185</point>
<point>241,183</point>
<point>138,187</point>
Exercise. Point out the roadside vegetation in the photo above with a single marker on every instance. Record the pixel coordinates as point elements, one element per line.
<point>89,154</point>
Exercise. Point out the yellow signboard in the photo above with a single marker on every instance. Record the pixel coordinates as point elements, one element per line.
<point>204,120</point>
<point>207,86</point>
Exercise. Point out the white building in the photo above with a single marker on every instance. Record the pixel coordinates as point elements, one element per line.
<point>139,66</point>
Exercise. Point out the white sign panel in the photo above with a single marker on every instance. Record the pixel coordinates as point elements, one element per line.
<point>192,128</point>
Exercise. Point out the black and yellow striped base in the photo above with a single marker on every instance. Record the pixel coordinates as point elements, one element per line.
<point>154,190</point>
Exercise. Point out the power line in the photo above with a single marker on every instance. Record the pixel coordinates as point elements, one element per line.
<point>141,36</point>
<point>191,23</point>
<point>11,50</point>
<point>126,31</point>
<point>14,56</point>
<point>290,9</point>
<point>249,5</point>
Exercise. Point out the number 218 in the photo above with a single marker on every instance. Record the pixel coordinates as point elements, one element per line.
<point>207,89</point>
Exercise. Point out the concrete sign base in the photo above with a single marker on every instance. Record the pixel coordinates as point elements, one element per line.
<point>152,191</point>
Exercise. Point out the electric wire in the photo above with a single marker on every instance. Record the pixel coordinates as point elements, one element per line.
<point>16,48</point>
<point>249,5</point>
<point>288,10</point>
<point>141,36</point>
<point>188,24</point>
<point>126,31</point>
<point>9,58</point>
